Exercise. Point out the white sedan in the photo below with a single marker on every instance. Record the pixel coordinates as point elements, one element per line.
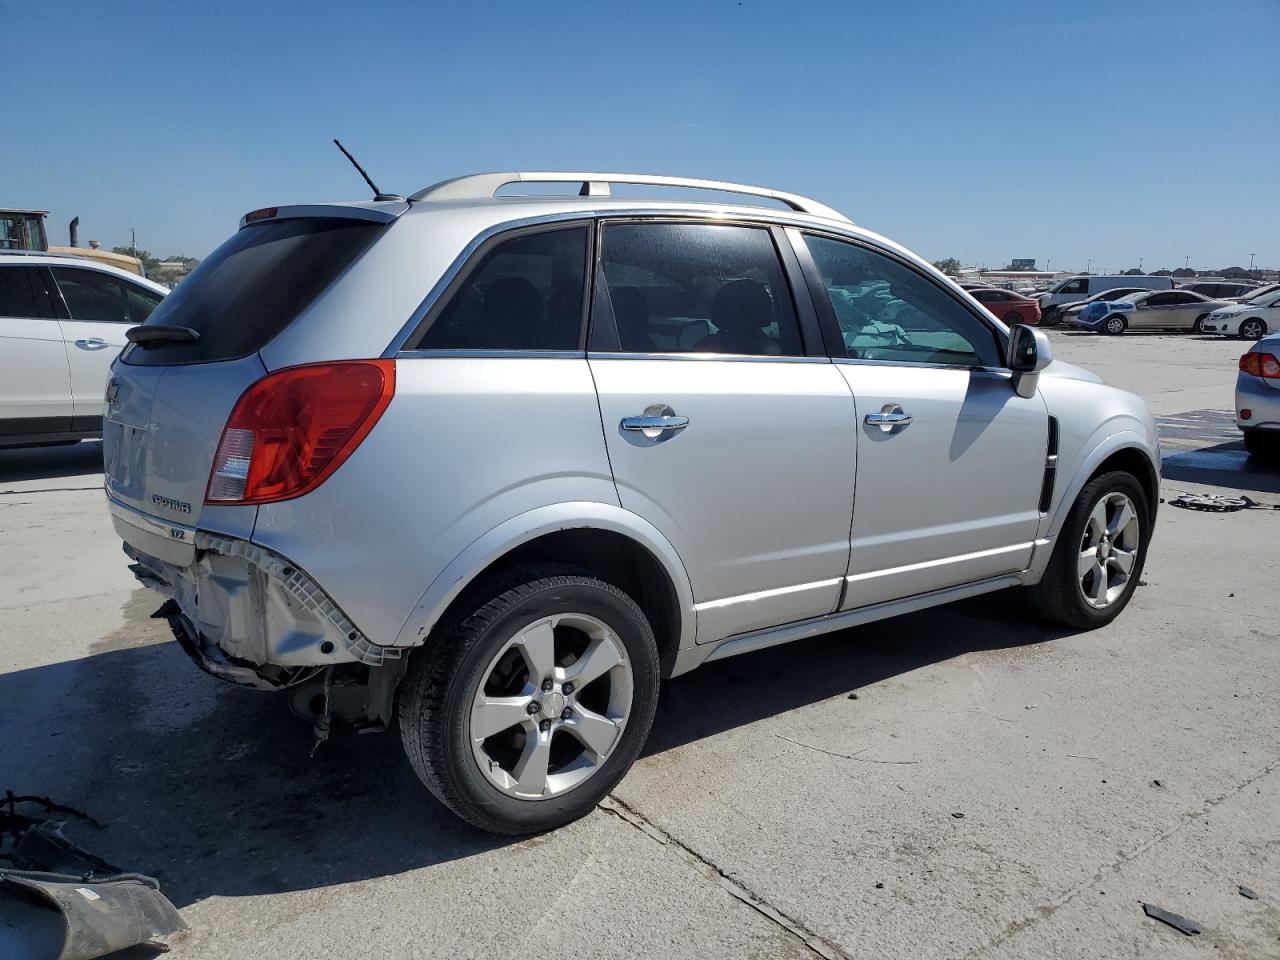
<point>1251,319</point>
<point>62,321</point>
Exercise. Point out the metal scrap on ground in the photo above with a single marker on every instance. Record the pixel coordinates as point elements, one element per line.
<point>1176,920</point>
<point>103,909</point>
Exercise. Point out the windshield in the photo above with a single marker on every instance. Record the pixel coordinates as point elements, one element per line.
<point>1261,293</point>
<point>253,286</point>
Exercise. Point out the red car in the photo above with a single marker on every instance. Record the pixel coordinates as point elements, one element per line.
<point>1008,306</point>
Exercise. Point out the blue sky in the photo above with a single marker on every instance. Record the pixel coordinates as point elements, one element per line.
<point>1069,131</point>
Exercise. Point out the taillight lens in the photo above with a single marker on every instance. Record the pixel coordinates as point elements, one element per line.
<point>293,428</point>
<point>1261,365</point>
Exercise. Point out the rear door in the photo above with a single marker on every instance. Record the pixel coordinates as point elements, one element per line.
<point>1168,309</point>
<point>727,429</point>
<point>950,459</point>
<point>98,308</point>
<point>168,402</point>
<point>35,389</point>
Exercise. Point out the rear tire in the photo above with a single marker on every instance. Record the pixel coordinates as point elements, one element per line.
<point>1252,329</point>
<point>1082,556</point>
<point>512,657</point>
<point>1012,317</point>
<point>1115,325</point>
<point>1198,326</point>
<point>1262,446</point>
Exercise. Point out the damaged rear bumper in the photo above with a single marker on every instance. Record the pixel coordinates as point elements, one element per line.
<point>243,612</point>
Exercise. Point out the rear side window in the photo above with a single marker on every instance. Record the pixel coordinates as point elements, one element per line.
<point>524,294</point>
<point>17,295</point>
<point>94,295</point>
<point>253,286</point>
<point>698,288</point>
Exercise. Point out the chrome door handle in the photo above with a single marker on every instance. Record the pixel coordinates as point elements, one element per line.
<point>93,343</point>
<point>651,423</point>
<point>891,415</point>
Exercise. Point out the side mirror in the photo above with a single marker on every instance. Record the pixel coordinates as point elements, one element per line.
<point>1029,353</point>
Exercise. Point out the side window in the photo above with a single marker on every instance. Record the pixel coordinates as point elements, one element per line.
<point>698,288</point>
<point>17,295</point>
<point>525,294</point>
<point>91,295</point>
<point>141,302</point>
<point>1080,285</point>
<point>1163,299</point>
<point>887,311</point>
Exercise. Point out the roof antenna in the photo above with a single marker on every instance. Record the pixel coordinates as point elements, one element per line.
<point>377,194</point>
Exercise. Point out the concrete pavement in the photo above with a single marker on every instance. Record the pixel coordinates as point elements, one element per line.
<point>997,789</point>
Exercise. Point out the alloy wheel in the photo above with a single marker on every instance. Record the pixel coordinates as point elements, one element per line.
<point>551,706</point>
<point>1108,550</point>
<point>1252,330</point>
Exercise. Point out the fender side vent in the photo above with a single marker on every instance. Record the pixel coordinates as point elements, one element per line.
<point>1050,467</point>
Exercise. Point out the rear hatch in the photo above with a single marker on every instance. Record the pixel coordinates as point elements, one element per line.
<point>169,399</point>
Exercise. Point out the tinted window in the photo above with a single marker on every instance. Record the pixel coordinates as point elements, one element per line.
<point>17,297</point>
<point>525,294</point>
<point>1116,294</point>
<point>887,311</point>
<point>1080,285</point>
<point>253,286</point>
<point>93,295</point>
<point>698,288</point>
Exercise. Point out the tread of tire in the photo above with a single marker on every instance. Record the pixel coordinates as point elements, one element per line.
<point>428,680</point>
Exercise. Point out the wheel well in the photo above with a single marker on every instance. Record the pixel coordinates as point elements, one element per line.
<point>612,557</point>
<point>1133,461</point>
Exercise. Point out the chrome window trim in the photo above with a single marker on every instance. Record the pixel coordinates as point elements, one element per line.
<point>924,364</point>
<point>493,354</point>
<point>754,218</point>
<point>732,357</point>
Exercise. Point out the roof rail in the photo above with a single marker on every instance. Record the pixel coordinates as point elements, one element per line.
<point>483,186</point>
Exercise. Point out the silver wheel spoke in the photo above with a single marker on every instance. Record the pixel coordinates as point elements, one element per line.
<point>1086,562</point>
<point>596,733</point>
<point>530,772</point>
<point>1124,560</point>
<point>1097,523</point>
<point>600,657</point>
<point>1124,516</point>
<point>1099,593</point>
<point>538,647</point>
<point>494,714</point>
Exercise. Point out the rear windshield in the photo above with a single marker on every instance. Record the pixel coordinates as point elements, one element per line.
<point>253,286</point>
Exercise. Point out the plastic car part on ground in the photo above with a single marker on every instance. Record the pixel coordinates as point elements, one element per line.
<point>103,909</point>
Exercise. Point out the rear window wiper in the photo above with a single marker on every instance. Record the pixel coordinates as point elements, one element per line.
<point>145,336</point>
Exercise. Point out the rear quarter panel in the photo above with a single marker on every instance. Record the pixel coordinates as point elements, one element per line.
<point>466,444</point>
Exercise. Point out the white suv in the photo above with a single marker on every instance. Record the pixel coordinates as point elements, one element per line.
<point>62,321</point>
<point>498,464</point>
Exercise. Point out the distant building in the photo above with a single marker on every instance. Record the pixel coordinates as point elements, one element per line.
<point>174,269</point>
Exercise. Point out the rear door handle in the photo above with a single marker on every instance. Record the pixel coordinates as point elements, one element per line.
<point>93,343</point>
<point>891,415</point>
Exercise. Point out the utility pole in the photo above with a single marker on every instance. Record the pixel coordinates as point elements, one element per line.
<point>1186,263</point>
<point>1139,264</point>
<point>133,242</point>
<point>1088,265</point>
<point>1251,256</point>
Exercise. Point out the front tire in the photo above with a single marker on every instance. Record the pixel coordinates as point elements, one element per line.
<point>534,702</point>
<point>1099,556</point>
<point>1115,325</point>
<point>1252,329</point>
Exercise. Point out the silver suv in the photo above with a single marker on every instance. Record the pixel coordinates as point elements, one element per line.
<point>493,466</point>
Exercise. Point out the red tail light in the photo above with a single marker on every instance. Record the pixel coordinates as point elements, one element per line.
<point>293,428</point>
<point>1261,365</point>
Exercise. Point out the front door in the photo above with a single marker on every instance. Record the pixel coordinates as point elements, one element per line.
<point>99,308</point>
<point>721,431</point>
<point>35,392</point>
<point>950,459</point>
